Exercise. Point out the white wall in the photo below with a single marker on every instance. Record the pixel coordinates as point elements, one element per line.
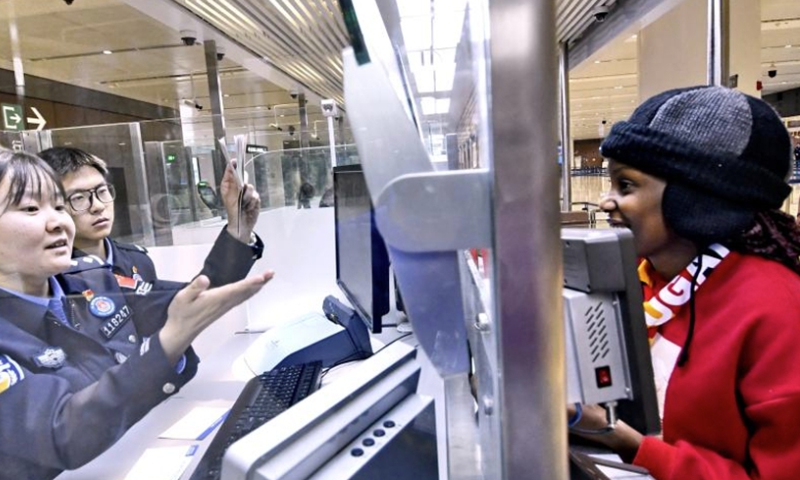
<point>299,247</point>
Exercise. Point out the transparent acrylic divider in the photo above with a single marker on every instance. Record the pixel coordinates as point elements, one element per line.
<point>164,173</point>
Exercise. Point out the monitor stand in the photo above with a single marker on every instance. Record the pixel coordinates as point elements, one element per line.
<point>334,337</point>
<point>404,326</point>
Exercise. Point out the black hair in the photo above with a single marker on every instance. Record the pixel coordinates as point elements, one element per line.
<point>774,235</point>
<point>66,160</point>
<point>28,173</point>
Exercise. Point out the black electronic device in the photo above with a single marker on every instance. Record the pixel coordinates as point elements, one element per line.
<point>207,195</point>
<point>362,262</point>
<point>263,398</point>
<point>603,313</point>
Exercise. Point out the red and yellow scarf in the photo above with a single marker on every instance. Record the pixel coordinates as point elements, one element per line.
<point>662,305</point>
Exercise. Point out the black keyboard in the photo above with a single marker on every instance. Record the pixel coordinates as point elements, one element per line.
<point>263,398</point>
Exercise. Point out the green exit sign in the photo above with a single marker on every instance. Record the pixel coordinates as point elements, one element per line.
<point>171,157</point>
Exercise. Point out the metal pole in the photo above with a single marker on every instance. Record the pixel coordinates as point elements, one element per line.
<point>305,143</point>
<point>566,136</point>
<point>718,42</point>
<point>332,142</point>
<point>303,113</point>
<point>217,118</point>
<point>527,264</point>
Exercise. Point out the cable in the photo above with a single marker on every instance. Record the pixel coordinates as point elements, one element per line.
<point>348,359</point>
<point>611,414</point>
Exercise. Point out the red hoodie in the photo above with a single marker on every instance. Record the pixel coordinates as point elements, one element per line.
<point>733,410</point>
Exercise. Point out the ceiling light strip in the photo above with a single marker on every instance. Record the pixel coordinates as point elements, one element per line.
<point>323,48</point>
<point>621,76</point>
<point>327,31</point>
<point>253,42</point>
<point>333,7</point>
<point>263,18</point>
<point>211,15</point>
<point>327,75</point>
<point>274,31</point>
<point>236,11</point>
<point>576,29</point>
<point>334,21</point>
<point>286,15</point>
<point>294,11</point>
<point>304,12</point>
<point>576,21</point>
<point>225,10</point>
<point>570,12</point>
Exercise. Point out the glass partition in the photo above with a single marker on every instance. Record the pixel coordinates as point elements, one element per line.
<point>164,170</point>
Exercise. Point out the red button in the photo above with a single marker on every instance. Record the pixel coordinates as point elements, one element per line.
<point>603,376</point>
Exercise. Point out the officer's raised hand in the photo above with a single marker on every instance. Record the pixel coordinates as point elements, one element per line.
<point>250,204</point>
<point>196,307</point>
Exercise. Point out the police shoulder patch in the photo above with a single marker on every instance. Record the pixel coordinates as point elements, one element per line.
<point>10,373</point>
<point>86,262</point>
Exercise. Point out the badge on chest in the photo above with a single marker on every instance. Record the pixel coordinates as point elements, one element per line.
<point>104,308</point>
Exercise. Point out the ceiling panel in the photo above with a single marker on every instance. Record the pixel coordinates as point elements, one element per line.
<point>303,39</point>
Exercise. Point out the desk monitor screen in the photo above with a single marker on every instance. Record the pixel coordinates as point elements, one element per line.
<point>362,262</point>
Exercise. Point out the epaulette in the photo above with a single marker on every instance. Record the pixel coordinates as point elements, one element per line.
<point>131,247</point>
<point>87,262</point>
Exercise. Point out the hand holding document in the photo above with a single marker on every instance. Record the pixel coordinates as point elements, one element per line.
<point>242,202</point>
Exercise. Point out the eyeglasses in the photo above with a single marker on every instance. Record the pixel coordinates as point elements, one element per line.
<point>82,199</point>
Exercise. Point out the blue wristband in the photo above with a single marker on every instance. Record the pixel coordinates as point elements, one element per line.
<point>577,417</point>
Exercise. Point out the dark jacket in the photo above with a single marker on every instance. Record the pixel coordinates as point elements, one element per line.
<point>225,260</point>
<point>68,392</point>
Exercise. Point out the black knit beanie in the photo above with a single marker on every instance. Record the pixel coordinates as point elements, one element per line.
<point>724,155</point>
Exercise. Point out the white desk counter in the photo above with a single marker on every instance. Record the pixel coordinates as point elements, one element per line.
<point>300,249</point>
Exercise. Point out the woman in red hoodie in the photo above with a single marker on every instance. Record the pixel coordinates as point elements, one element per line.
<point>699,175</point>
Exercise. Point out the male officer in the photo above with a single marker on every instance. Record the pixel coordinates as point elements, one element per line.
<point>90,201</point>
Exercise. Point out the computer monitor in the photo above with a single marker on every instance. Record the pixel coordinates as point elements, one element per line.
<point>362,262</point>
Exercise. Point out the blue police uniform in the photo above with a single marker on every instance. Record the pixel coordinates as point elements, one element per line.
<point>74,377</point>
<point>131,261</point>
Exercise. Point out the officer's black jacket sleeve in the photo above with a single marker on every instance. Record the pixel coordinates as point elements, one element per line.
<point>56,418</point>
<point>230,260</point>
<point>47,427</point>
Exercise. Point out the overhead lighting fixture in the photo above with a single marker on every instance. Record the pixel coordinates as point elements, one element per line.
<point>414,8</point>
<point>434,106</point>
<point>416,33</point>
<point>425,80</point>
<point>107,52</point>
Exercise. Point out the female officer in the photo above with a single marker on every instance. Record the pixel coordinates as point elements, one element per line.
<point>698,175</point>
<point>82,359</point>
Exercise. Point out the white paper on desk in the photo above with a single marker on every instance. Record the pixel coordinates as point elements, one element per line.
<point>197,424</point>
<point>162,463</point>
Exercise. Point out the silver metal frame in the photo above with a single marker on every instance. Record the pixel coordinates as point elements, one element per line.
<point>298,442</point>
<point>718,44</point>
<point>566,135</point>
<point>527,249</point>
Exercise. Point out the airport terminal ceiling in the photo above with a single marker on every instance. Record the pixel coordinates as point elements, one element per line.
<point>134,48</point>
